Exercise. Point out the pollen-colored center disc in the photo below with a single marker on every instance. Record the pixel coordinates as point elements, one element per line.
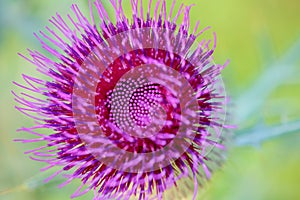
<point>139,111</point>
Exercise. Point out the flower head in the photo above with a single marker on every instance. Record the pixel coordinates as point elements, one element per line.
<point>134,106</point>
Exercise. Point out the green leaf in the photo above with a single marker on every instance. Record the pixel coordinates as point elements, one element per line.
<point>260,134</point>
<point>251,102</point>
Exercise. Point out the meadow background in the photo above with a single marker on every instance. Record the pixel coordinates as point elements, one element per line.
<point>262,40</point>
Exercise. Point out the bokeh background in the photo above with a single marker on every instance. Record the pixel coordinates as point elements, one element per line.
<point>256,35</point>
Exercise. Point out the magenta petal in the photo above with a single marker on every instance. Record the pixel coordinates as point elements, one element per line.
<point>133,106</point>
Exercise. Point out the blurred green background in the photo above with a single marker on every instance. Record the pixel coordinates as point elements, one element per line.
<point>253,34</point>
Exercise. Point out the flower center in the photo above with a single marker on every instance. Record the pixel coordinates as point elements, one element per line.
<point>135,107</point>
<point>140,112</point>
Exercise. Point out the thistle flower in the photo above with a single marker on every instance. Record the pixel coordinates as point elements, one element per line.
<point>134,106</point>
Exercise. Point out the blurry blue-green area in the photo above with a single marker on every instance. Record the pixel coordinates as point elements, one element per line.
<point>261,38</point>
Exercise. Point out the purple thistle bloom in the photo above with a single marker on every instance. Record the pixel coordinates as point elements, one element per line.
<point>134,106</point>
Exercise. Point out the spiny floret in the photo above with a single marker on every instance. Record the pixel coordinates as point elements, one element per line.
<point>175,99</point>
